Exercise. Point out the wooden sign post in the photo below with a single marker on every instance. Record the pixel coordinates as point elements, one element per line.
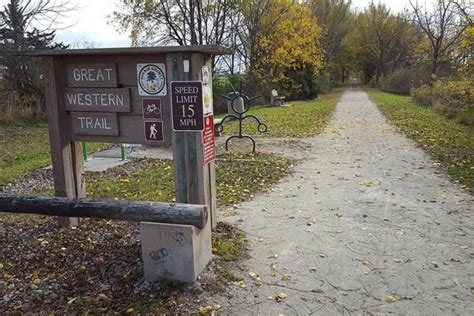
<point>125,95</point>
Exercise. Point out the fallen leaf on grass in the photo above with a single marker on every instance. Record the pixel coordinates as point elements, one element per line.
<point>72,300</point>
<point>215,250</point>
<point>390,298</point>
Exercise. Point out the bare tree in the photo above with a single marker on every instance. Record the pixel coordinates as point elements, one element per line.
<point>443,27</point>
<point>27,25</point>
<point>181,22</point>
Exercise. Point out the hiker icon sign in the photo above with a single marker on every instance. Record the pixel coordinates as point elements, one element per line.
<point>151,79</point>
<point>154,131</point>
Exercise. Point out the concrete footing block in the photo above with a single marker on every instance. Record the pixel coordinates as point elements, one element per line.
<point>175,252</point>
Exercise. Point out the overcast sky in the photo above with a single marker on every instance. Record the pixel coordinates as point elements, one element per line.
<point>91,22</point>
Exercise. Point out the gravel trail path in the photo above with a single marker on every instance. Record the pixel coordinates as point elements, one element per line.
<point>366,217</point>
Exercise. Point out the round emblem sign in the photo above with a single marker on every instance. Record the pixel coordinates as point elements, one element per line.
<point>151,80</point>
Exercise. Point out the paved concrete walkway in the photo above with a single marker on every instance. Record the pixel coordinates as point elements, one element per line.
<point>366,217</point>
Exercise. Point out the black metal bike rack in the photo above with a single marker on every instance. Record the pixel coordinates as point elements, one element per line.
<point>240,116</point>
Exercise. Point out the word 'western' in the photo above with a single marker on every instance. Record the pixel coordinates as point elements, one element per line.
<point>93,123</point>
<point>95,99</point>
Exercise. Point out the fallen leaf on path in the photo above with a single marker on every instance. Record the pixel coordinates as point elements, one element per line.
<point>400,232</point>
<point>367,183</point>
<point>322,255</point>
<point>397,259</point>
<point>274,268</point>
<point>390,298</point>
<point>364,263</point>
<point>240,284</point>
<point>255,278</point>
<point>281,297</point>
<point>464,247</point>
<point>313,269</point>
<point>285,277</point>
<point>209,309</point>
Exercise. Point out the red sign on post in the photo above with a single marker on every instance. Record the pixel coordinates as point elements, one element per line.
<point>209,141</point>
<point>153,131</point>
<point>152,109</point>
<point>186,103</point>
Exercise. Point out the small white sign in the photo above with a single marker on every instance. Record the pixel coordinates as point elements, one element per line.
<point>207,104</point>
<point>206,75</point>
<point>151,79</point>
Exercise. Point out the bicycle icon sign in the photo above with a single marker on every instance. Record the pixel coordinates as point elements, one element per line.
<point>152,109</point>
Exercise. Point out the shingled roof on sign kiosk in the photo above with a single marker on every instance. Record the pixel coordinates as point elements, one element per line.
<point>205,49</point>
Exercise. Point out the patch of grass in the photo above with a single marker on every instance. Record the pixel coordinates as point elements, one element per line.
<point>147,180</point>
<point>229,243</point>
<point>301,119</point>
<point>238,177</point>
<point>449,142</point>
<point>24,147</point>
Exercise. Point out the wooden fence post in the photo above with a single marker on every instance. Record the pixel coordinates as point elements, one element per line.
<point>65,155</point>
<point>194,181</point>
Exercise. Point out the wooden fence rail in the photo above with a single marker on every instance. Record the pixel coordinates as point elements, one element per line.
<point>141,211</point>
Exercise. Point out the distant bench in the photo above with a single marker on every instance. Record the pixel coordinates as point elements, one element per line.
<point>275,99</point>
<point>217,121</point>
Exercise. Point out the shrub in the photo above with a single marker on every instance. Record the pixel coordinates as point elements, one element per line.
<point>400,81</point>
<point>422,95</point>
<point>220,85</point>
<point>453,98</point>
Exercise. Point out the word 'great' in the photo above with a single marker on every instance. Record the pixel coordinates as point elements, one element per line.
<point>92,74</point>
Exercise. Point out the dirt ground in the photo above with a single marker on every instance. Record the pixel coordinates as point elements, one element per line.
<point>366,224</point>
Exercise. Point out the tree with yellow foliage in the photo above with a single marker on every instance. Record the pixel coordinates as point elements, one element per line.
<point>286,52</point>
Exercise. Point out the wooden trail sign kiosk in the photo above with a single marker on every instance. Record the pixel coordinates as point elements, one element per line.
<point>153,96</point>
